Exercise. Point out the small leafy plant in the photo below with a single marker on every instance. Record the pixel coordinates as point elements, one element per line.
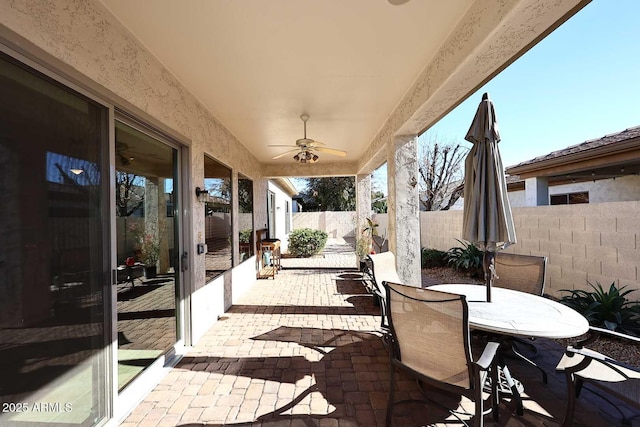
<point>610,308</point>
<point>371,230</point>
<point>433,258</point>
<point>147,244</point>
<point>245,235</point>
<point>466,257</point>
<point>305,242</point>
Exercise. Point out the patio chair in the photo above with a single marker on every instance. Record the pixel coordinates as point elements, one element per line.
<point>582,365</point>
<point>524,273</point>
<point>383,270</point>
<point>429,339</point>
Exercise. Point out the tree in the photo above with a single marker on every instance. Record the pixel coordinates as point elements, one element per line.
<point>129,193</point>
<point>441,174</point>
<point>378,202</point>
<point>330,194</point>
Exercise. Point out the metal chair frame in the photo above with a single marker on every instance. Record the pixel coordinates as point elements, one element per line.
<point>510,269</point>
<point>582,365</point>
<point>478,371</point>
<point>383,268</point>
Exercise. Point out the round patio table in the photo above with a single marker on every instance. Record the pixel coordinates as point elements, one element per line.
<point>520,314</point>
<point>517,313</point>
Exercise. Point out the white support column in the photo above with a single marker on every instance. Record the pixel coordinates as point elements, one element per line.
<point>536,191</point>
<point>363,202</point>
<point>404,212</point>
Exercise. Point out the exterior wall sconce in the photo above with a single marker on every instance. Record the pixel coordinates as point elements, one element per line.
<point>202,195</point>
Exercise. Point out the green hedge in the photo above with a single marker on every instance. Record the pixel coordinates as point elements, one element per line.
<point>305,242</point>
<point>433,258</point>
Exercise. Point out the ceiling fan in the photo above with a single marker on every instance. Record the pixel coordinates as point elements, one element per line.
<point>121,152</point>
<point>305,147</point>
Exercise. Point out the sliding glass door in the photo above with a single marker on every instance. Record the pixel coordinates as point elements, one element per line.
<point>54,258</point>
<point>147,229</point>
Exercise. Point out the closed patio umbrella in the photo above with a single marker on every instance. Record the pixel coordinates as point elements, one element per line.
<point>487,220</point>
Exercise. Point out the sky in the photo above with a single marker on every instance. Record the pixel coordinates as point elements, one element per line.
<point>581,82</point>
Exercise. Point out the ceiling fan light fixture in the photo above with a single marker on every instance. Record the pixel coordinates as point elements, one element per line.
<point>305,146</point>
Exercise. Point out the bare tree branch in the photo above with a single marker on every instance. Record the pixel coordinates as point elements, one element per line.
<point>441,173</point>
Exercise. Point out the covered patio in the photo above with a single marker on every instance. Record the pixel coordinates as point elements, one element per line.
<point>305,350</point>
<point>219,88</point>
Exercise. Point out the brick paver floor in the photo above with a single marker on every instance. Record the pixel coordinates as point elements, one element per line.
<point>304,349</point>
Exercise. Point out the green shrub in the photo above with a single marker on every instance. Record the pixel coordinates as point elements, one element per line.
<point>433,258</point>
<point>606,308</point>
<point>466,257</point>
<point>245,235</point>
<point>305,242</point>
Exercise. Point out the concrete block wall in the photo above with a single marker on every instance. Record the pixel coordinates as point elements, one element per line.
<point>336,224</point>
<point>597,242</point>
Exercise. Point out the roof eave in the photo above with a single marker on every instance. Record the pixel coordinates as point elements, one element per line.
<point>596,157</point>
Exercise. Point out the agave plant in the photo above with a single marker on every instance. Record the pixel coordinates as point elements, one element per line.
<point>466,257</point>
<point>610,308</point>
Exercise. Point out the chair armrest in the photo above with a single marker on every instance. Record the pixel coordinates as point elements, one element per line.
<point>596,366</point>
<point>572,351</point>
<point>488,355</point>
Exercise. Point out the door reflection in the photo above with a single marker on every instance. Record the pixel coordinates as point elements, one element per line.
<point>146,288</point>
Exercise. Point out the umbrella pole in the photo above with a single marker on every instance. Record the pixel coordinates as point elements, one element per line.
<point>488,267</point>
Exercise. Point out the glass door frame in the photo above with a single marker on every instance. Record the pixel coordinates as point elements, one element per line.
<point>116,406</point>
<point>149,377</point>
<point>32,61</point>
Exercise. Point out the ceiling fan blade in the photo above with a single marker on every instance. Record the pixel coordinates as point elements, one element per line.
<point>282,145</point>
<point>331,151</point>
<point>297,150</point>
<point>317,143</point>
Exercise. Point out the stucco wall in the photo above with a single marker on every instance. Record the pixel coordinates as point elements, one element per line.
<point>281,214</point>
<point>84,43</point>
<point>597,242</point>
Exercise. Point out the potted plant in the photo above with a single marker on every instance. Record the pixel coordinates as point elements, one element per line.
<point>363,248</point>
<point>371,230</point>
<point>148,250</point>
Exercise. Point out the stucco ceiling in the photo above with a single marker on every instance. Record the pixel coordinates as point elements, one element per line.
<point>257,65</point>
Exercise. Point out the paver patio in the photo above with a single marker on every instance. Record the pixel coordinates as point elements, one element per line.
<point>304,349</point>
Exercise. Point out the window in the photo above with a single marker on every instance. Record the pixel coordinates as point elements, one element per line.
<point>569,198</point>
<point>245,220</point>
<point>217,220</point>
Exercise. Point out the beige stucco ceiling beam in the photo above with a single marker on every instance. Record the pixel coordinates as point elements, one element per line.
<point>491,35</point>
<point>319,169</point>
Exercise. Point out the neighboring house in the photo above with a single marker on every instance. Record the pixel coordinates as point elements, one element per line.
<point>599,170</point>
<point>596,171</point>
